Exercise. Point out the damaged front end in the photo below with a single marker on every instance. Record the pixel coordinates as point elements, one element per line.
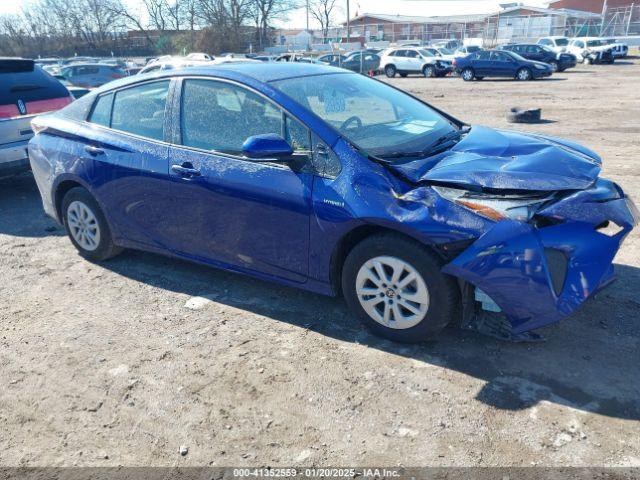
<point>533,273</point>
<point>555,226</point>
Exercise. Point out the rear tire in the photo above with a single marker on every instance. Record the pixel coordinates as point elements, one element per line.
<point>87,226</point>
<point>390,71</point>
<point>468,74</point>
<point>394,286</point>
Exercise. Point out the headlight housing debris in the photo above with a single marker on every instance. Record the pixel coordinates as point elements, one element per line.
<point>496,206</point>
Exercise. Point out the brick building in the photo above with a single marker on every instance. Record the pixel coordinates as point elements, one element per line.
<point>594,6</point>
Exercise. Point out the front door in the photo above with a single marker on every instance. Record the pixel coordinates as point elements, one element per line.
<point>229,210</point>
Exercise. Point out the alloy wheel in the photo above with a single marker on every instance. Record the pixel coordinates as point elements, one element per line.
<point>392,292</point>
<point>83,225</point>
<point>467,75</point>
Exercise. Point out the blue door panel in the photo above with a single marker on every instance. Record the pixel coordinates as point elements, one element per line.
<point>130,180</point>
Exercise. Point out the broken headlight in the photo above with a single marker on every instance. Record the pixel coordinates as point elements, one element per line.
<point>496,206</point>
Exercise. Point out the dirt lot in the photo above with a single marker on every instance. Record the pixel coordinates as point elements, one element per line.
<point>118,364</point>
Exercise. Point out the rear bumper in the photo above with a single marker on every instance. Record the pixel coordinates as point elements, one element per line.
<point>537,276</point>
<point>14,158</point>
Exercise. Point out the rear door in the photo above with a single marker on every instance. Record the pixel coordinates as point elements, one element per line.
<point>231,210</point>
<point>25,91</point>
<point>482,63</point>
<point>128,158</point>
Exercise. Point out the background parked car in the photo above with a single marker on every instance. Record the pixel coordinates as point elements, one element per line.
<point>591,50</point>
<point>495,63</point>
<point>464,51</point>
<point>448,44</point>
<point>441,52</point>
<point>202,57</point>
<point>558,61</point>
<point>333,59</point>
<point>413,60</point>
<point>361,62</point>
<point>91,74</point>
<point>619,49</point>
<point>25,90</point>
<point>558,44</point>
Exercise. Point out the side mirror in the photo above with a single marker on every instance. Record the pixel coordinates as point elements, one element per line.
<point>266,146</point>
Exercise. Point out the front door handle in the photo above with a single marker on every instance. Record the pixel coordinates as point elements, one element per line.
<point>94,151</point>
<point>185,170</point>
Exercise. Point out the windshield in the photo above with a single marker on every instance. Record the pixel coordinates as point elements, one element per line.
<point>562,42</point>
<point>546,49</point>
<point>594,43</point>
<point>473,48</point>
<point>426,53</point>
<point>445,51</point>
<point>373,116</point>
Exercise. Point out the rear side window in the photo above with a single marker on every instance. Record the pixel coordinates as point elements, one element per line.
<point>101,114</point>
<point>140,110</point>
<point>221,116</point>
<point>86,70</point>
<point>484,55</point>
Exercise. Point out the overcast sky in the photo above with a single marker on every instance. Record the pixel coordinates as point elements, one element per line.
<point>402,7</point>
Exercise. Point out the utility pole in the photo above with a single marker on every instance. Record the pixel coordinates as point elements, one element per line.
<point>348,23</point>
<point>308,39</point>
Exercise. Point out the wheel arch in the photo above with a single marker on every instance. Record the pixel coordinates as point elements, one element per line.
<point>356,235</point>
<point>60,190</point>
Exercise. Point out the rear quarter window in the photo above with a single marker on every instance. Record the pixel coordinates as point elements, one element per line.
<point>101,114</point>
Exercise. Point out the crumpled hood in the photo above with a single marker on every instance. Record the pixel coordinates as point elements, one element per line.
<point>501,159</point>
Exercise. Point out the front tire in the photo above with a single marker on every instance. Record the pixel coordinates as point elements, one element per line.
<point>524,75</point>
<point>87,226</point>
<point>394,286</point>
<point>429,71</point>
<point>390,71</point>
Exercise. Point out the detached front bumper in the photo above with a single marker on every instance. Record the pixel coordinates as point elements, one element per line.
<point>539,274</point>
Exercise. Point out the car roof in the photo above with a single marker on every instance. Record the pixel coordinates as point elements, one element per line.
<point>89,64</point>
<point>249,73</point>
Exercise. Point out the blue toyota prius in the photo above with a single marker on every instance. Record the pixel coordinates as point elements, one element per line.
<point>323,179</point>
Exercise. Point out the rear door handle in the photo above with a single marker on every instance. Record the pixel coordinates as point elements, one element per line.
<point>91,150</point>
<point>185,171</point>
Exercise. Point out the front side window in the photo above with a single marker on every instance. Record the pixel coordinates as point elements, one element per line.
<point>484,55</point>
<point>220,116</point>
<point>562,42</point>
<point>140,110</point>
<point>370,114</point>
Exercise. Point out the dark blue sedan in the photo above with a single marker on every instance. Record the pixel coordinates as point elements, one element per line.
<point>494,63</point>
<point>323,179</point>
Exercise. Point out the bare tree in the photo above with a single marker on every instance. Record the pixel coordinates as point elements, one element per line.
<point>323,12</point>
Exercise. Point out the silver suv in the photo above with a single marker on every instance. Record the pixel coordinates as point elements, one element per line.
<point>91,74</point>
<point>25,91</point>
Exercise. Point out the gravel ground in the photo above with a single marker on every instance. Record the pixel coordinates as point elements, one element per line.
<point>125,362</point>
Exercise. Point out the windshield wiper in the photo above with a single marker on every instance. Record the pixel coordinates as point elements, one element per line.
<point>435,147</point>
